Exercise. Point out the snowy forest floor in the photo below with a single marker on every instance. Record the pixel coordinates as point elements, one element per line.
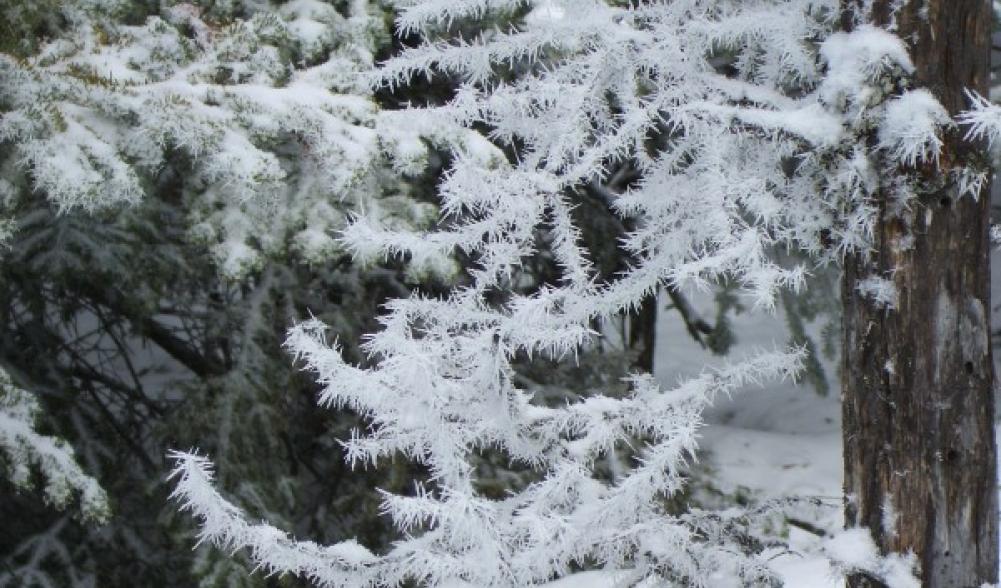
<point>775,441</point>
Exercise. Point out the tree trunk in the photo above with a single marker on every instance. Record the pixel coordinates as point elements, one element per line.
<point>643,332</point>
<point>917,380</point>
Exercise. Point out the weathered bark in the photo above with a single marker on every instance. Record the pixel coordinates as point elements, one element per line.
<point>917,380</point>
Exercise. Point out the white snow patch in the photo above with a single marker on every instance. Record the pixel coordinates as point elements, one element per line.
<point>882,292</point>
<point>854,61</point>
<point>911,125</point>
<point>545,12</point>
<point>854,549</point>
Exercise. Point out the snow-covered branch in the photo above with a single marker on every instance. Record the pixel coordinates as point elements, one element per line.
<point>344,565</point>
<point>748,134</point>
<point>24,451</point>
<point>283,140</point>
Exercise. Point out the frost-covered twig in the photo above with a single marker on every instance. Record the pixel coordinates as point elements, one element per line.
<point>983,119</point>
<point>343,565</point>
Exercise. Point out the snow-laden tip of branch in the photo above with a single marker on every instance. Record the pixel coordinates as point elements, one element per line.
<point>867,50</point>
<point>855,60</point>
<point>416,15</point>
<point>983,119</point>
<point>911,128</point>
<point>26,450</point>
<point>343,565</point>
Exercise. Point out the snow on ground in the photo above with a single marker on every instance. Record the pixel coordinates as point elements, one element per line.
<point>780,440</point>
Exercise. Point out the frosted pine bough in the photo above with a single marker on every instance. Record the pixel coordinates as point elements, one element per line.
<point>24,449</point>
<point>280,133</point>
<point>748,122</point>
<point>249,119</point>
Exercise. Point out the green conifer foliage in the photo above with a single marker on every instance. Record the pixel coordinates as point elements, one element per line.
<point>173,177</point>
